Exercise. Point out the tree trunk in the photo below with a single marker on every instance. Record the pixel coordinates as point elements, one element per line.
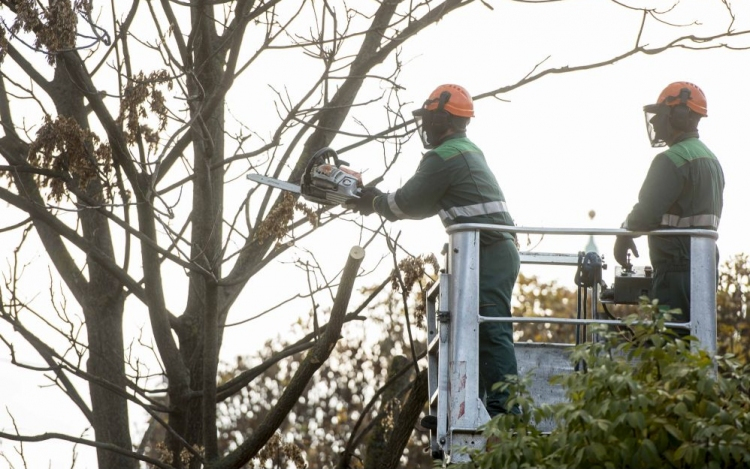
<point>200,332</point>
<point>106,362</point>
<point>103,305</point>
<point>404,425</point>
<point>376,443</point>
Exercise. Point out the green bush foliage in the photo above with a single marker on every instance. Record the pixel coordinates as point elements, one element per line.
<point>647,400</point>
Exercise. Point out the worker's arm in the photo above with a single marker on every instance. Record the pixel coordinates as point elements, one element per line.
<point>660,190</point>
<point>419,197</point>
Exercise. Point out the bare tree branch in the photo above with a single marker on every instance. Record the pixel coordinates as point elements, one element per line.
<point>83,441</point>
<point>314,359</point>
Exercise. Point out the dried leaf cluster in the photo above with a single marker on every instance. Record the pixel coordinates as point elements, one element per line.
<point>165,455</point>
<point>276,224</point>
<point>63,147</point>
<point>143,90</point>
<point>54,27</point>
<point>3,44</point>
<point>414,272</point>
<point>275,450</point>
<point>186,456</point>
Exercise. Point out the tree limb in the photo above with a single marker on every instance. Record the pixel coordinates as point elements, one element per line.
<point>314,359</point>
<point>243,379</point>
<point>40,215</point>
<point>83,441</point>
<point>404,426</point>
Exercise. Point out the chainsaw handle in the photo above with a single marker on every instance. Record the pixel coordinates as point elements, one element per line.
<point>319,157</point>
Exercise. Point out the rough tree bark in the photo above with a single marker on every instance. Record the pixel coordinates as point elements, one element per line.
<point>378,440</point>
<point>407,419</point>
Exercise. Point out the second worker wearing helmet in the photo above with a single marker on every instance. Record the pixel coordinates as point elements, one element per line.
<point>683,189</point>
<point>454,182</point>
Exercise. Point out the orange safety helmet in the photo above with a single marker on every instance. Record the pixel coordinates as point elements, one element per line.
<point>457,102</point>
<point>449,106</point>
<point>674,112</point>
<point>682,92</point>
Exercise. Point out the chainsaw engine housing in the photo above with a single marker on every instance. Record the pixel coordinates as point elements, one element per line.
<point>328,184</point>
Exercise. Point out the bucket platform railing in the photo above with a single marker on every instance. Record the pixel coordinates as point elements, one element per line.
<point>453,321</point>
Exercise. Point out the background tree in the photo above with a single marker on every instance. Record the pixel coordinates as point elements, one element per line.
<point>125,163</point>
<point>536,297</point>
<point>347,414</point>
<point>732,301</point>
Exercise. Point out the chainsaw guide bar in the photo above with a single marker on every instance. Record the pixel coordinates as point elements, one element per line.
<point>325,180</point>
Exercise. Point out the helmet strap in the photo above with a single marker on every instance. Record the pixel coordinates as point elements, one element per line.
<point>679,118</point>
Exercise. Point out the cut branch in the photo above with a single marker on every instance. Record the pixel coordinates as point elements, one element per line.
<point>314,359</point>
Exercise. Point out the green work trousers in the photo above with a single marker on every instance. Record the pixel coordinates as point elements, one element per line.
<point>671,286</point>
<point>498,269</point>
<point>672,289</point>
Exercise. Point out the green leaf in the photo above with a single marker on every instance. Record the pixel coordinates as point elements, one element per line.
<point>603,424</point>
<point>599,451</point>
<point>680,409</point>
<point>674,431</point>
<point>636,420</point>
<point>649,451</point>
<point>682,451</point>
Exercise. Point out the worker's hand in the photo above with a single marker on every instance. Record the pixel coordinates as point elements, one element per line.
<point>623,244</point>
<point>365,203</point>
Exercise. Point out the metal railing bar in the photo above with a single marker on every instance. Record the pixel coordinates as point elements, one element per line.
<point>579,231</point>
<point>550,320</point>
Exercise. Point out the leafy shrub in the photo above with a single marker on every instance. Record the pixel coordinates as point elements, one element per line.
<point>645,401</point>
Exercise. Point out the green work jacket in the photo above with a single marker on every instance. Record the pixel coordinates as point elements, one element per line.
<point>683,189</point>
<point>453,181</point>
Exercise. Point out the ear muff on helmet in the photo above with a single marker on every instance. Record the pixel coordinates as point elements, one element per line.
<point>679,118</point>
<point>441,119</point>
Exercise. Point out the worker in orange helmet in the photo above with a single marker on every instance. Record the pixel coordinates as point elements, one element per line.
<point>454,182</point>
<point>683,189</point>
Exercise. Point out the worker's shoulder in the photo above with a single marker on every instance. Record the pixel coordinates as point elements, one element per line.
<point>454,147</point>
<point>688,150</point>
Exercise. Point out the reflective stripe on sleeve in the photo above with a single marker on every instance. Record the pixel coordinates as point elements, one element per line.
<point>485,208</point>
<point>675,221</point>
<point>395,208</point>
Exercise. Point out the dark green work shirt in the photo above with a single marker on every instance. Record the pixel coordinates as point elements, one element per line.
<point>683,189</point>
<point>454,182</point>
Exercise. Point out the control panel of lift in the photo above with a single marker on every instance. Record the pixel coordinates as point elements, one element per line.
<point>631,283</point>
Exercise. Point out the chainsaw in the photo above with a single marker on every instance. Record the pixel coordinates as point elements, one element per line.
<point>325,180</point>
